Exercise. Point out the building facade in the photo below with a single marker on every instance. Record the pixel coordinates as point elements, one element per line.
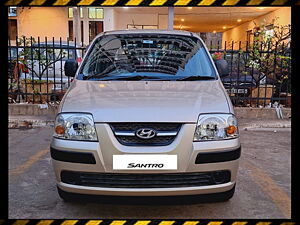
<point>214,24</point>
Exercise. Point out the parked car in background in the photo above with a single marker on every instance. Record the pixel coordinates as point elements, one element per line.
<point>237,84</point>
<point>50,66</point>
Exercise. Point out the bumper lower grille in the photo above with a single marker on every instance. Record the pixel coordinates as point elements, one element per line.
<point>166,180</point>
<point>126,133</point>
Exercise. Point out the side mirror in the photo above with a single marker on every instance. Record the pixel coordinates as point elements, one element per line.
<point>71,67</point>
<point>222,67</point>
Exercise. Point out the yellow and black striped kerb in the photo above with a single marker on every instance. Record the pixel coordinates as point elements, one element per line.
<point>151,2</point>
<point>143,222</point>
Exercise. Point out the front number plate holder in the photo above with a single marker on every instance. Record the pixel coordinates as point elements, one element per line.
<point>144,162</point>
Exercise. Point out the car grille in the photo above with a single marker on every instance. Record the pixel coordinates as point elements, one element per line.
<point>164,180</point>
<point>155,141</point>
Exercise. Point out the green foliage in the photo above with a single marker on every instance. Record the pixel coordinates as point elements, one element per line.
<point>30,81</point>
<point>12,85</point>
<point>269,52</point>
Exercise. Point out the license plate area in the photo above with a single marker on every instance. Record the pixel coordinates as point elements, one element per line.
<point>237,91</point>
<point>145,162</point>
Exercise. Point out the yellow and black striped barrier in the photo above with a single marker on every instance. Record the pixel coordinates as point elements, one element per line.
<point>143,222</point>
<point>151,2</point>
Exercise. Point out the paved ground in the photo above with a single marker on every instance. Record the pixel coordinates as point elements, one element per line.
<point>263,188</point>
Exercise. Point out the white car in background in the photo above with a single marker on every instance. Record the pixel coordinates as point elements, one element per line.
<point>58,52</point>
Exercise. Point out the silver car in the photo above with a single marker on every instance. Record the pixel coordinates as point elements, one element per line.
<point>146,115</point>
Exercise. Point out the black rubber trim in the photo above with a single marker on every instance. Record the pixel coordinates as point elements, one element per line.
<point>74,157</point>
<point>147,200</point>
<point>214,157</point>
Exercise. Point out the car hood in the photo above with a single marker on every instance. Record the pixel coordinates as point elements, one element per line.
<point>146,101</point>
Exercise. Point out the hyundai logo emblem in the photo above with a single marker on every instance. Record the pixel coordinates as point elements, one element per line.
<point>145,133</point>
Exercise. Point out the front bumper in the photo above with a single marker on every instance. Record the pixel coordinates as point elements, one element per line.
<point>188,153</point>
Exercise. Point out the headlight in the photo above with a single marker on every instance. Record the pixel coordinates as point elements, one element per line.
<point>75,126</point>
<point>216,127</point>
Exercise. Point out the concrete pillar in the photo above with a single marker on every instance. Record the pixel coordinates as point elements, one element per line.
<point>85,25</point>
<point>109,19</point>
<point>76,24</point>
<point>170,18</point>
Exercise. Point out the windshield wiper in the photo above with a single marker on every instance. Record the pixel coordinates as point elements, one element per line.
<point>107,77</point>
<point>191,78</point>
<point>137,77</point>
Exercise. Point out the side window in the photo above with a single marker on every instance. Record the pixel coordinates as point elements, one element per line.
<point>71,53</point>
<point>95,13</point>
<point>65,54</point>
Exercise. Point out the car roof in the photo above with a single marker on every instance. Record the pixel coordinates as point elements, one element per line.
<point>150,31</point>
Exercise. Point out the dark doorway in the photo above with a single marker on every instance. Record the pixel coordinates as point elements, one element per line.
<point>12,29</point>
<point>71,33</point>
<point>95,27</point>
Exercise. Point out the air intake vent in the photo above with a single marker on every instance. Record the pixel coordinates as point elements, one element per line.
<point>161,180</point>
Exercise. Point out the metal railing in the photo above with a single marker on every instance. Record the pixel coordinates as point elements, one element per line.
<point>36,71</point>
<point>259,75</point>
<point>260,72</point>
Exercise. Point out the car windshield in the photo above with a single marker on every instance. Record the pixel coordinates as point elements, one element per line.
<point>147,57</point>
